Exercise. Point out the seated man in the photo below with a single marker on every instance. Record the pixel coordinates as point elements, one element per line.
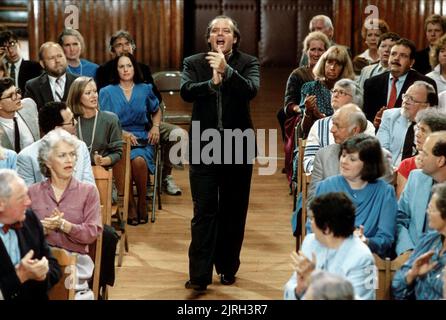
<point>411,218</point>
<point>27,268</point>
<point>54,115</point>
<point>396,132</point>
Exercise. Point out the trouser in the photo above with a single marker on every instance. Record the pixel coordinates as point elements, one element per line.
<point>220,195</point>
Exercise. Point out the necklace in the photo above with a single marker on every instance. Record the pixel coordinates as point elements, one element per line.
<point>92,133</point>
<point>57,192</point>
<point>74,72</point>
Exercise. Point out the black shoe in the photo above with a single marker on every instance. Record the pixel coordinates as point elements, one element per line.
<point>197,287</point>
<point>227,280</point>
<point>144,220</point>
<point>132,221</point>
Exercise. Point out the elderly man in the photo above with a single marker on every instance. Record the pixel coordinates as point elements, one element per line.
<point>55,82</point>
<point>411,219</point>
<point>19,69</point>
<point>27,268</point>
<point>396,132</point>
<point>18,118</point>
<point>385,91</point>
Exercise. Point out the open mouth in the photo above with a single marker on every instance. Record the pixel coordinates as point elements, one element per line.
<point>220,42</point>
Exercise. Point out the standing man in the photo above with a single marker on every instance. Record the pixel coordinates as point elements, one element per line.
<point>55,82</point>
<point>220,84</point>
<point>19,69</point>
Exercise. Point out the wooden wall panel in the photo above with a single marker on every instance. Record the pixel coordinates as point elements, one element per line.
<point>156,25</point>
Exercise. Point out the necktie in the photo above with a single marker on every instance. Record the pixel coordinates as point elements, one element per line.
<point>12,73</point>
<point>58,90</point>
<point>408,146</point>
<point>14,226</point>
<point>392,98</point>
<point>16,136</point>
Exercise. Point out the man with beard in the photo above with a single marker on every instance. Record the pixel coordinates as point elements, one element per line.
<point>55,82</point>
<point>385,91</point>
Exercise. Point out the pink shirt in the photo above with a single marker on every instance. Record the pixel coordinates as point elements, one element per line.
<point>80,205</point>
<point>406,166</point>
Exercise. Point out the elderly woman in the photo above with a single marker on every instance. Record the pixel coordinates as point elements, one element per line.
<point>438,62</point>
<point>315,44</point>
<point>100,130</point>
<point>361,166</point>
<point>371,37</point>
<point>345,91</point>
<point>332,248</point>
<point>428,121</point>
<point>335,64</point>
<point>421,276</point>
<point>68,209</point>
<point>137,108</point>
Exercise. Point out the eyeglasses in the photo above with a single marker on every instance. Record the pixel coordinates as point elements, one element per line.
<point>10,44</point>
<point>342,93</point>
<point>13,96</point>
<point>409,100</point>
<point>71,123</point>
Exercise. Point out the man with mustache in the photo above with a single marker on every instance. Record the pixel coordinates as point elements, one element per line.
<point>385,91</point>
<point>55,82</point>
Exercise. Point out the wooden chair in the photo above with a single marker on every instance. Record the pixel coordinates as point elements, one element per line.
<point>65,288</point>
<point>386,269</point>
<point>104,180</point>
<point>306,180</point>
<point>122,171</point>
<point>300,172</point>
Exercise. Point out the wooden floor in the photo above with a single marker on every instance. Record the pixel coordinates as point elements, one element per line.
<point>157,265</point>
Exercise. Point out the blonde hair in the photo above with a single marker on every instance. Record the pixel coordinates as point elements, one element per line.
<point>77,89</point>
<point>316,35</point>
<point>340,54</point>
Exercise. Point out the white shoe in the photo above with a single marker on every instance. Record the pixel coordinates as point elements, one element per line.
<point>170,187</point>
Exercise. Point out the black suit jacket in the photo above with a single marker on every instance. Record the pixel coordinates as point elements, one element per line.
<point>39,89</point>
<point>28,70</point>
<point>30,236</point>
<point>376,88</point>
<point>422,64</point>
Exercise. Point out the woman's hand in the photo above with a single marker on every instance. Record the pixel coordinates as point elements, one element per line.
<point>100,160</point>
<point>53,222</point>
<point>154,134</point>
<point>420,267</point>
<point>303,267</point>
<point>359,232</point>
<point>310,104</point>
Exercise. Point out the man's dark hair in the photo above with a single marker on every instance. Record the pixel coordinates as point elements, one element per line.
<point>50,116</point>
<point>235,29</point>
<point>440,191</point>
<point>334,211</point>
<point>137,78</point>
<point>409,44</point>
<point>7,36</point>
<point>121,34</point>
<point>5,84</point>
<point>439,148</point>
<point>370,153</point>
<point>389,35</point>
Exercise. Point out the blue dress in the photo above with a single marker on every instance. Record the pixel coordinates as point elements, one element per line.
<point>376,209</point>
<point>133,115</point>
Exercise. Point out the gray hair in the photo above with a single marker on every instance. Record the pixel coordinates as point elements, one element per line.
<point>7,176</point>
<point>433,118</point>
<point>327,21</point>
<point>48,143</point>
<point>354,89</point>
<point>355,116</point>
<point>313,36</point>
<point>329,286</point>
<point>432,97</point>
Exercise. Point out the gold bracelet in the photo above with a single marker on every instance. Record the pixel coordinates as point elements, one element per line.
<point>156,125</point>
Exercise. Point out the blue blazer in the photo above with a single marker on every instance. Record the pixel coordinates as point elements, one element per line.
<point>412,208</point>
<point>392,132</point>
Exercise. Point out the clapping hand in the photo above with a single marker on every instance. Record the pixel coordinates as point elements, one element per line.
<point>359,232</point>
<point>53,222</point>
<point>378,116</point>
<point>303,267</point>
<point>32,269</point>
<point>218,64</point>
<point>421,266</point>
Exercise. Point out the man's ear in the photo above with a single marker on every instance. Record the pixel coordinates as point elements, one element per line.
<point>441,161</point>
<point>412,61</point>
<point>42,64</point>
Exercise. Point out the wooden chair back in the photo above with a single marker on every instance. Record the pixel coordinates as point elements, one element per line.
<point>300,173</point>
<point>65,288</point>
<point>386,269</point>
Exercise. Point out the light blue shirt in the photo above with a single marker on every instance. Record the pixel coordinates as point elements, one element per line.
<point>11,243</point>
<point>399,85</point>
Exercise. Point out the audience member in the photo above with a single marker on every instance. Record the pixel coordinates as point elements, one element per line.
<point>421,276</point>
<point>411,219</point>
<point>54,115</point>
<point>435,27</point>
<point>3,69</point>
<point>18,118</point>
<point>396,132</point>
<point>385,91</point>
<point>100,130</point>
<point>8,158</point>
<point>332,248</point>
<point>19,69</point>
<point>27,268</point>
<point>68,209</point>
<point>329,286</point>
<point>73,45</point>
<point>438,63</point>
<point>55,82</point>
<point>371,36</point>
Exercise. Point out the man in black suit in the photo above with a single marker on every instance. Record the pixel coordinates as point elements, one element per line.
<point>55,82</point>
<point>385,90</point>
<point>27,268</point>
<point>19,70</point>
<point>435,27</point>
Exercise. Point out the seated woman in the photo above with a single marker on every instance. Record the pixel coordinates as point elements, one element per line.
<point>421,276</point>
<point>100,130</point>
<point>371,36</point>
<point>332,248</point>
<point>8,159</point>
<point>438,62</point>
<point>361,166</point>
<point>138,111</point>
<point>428,120</point>
<point>68,209</point>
